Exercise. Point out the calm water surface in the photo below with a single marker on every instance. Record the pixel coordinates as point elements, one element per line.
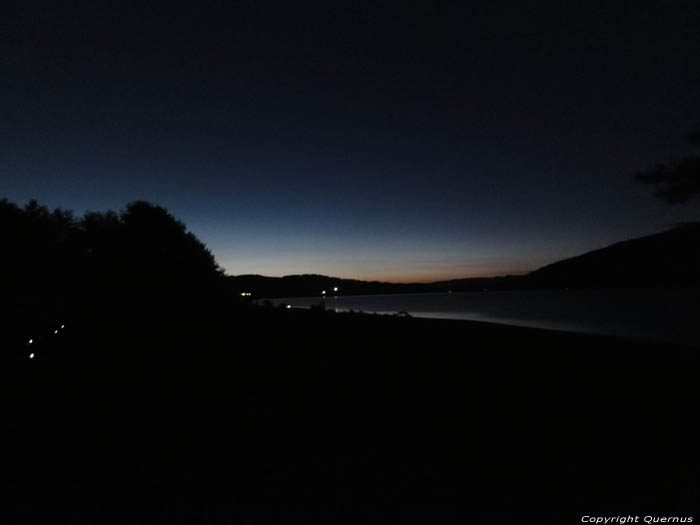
<point>664,315</point>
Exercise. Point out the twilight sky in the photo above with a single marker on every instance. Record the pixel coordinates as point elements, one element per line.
<point>354,139</point>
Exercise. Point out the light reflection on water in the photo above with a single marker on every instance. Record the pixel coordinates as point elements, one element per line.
<point>660,314</point>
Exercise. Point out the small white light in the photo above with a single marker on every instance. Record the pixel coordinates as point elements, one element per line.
<point>63,326</point>
<point>55,331</point>
<point>31,341</point>
<point>289,306</point>
<point>323,292</point>
<point>31,356</point>
<point>335,288</point>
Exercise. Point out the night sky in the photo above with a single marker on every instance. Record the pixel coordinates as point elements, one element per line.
<point>356,140</point>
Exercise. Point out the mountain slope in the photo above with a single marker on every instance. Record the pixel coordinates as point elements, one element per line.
<point>668,258</point>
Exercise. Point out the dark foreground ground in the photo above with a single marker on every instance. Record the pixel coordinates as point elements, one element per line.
<point>300,417</point>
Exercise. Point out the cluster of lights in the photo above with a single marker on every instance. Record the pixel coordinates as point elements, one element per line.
<point>246,294</point>
<point>32,355</point>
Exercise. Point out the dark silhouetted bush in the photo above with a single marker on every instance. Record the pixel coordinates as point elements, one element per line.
<point>52,260</point>
<point>677,181</point>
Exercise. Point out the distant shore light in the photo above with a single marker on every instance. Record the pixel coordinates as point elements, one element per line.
<point>289,306</point>
<point>335,288</point>
<point>31,356</point>
<point>31,341</point>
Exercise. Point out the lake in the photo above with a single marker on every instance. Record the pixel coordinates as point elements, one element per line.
<point>659,314</point>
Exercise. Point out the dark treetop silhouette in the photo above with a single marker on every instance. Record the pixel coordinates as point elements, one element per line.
<point>142,247</point>
<point>677,181</point>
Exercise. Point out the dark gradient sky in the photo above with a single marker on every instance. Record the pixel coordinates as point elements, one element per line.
<point>408,143</point>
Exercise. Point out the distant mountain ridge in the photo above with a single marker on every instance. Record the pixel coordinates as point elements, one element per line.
<point>670,258</point>
<point>309,285</point>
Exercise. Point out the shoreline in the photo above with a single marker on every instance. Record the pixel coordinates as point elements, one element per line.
<point>621,322</point>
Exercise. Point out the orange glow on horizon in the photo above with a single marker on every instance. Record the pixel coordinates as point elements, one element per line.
<point>423,279</point>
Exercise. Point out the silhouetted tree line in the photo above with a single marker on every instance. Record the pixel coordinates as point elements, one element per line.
<point>141,253</point>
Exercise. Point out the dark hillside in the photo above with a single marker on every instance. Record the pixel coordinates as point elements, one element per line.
<point>670,258</point>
